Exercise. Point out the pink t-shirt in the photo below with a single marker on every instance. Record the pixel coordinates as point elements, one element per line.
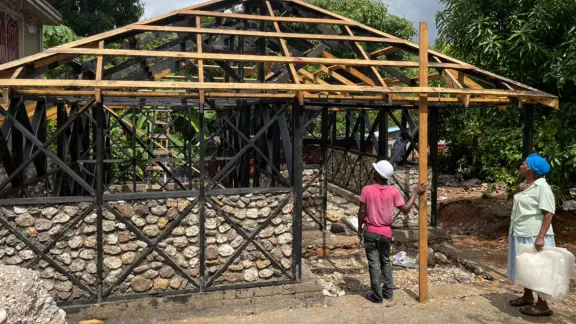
<point>380,203</point>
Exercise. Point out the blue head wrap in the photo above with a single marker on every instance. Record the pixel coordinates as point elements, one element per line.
<point>538,164</point>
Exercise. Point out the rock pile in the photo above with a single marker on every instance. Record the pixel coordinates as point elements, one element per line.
<point>25,299</point>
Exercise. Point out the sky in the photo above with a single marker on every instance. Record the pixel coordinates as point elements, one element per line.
<point>413,10</point>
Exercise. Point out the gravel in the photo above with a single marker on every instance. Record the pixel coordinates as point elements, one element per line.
<point>24,298</point>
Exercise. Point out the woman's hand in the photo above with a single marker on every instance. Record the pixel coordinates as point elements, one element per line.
<point>539,244</point>
<point>523,186</point>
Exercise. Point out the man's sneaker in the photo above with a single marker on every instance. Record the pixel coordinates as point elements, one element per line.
<point>373,299</point>
<point>389,302</point>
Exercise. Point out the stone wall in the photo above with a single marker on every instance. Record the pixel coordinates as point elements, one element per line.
<point>352,172</point>
<point>76,250</point>
<point>312,198</point>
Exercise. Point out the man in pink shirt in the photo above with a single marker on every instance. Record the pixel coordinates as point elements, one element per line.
<point>377,203</point>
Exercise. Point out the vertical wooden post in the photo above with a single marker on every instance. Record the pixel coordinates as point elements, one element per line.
<point>423,165</point>
<point>200,62</point>
<point>433,135</point>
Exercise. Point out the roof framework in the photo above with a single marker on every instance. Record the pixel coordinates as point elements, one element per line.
<point>273,49</point>
<point>268,76</point>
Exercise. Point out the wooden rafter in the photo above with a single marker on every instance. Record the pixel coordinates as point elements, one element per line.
<point>463,80</point>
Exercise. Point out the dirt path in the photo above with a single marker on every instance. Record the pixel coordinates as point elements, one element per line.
<point>463,303</point>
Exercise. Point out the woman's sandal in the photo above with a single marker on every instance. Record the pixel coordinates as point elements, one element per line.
<point>518,302</point>
<point>533,311</point>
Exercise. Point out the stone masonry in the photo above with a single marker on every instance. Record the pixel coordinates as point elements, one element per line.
<point>76,250</point>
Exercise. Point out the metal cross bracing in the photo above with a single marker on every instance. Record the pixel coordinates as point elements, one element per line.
<point>260,98</point>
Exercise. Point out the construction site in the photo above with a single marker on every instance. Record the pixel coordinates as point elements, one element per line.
<point>205,166</point>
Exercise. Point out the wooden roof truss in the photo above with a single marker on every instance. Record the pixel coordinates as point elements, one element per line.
<point>272,49</point>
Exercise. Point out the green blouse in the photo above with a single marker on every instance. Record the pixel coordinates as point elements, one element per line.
<point>527,213</point>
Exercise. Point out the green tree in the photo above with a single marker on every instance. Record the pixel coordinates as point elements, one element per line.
<point>89,17</point>
<point>531,41</point>
<point>58,35</point>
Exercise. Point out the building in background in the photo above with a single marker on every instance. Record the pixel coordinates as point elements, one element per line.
<point>21,24</point>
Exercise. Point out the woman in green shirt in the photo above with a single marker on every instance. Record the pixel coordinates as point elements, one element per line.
<point>534,207</point>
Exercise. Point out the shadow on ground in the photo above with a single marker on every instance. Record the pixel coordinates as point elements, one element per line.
<point>500,301</point>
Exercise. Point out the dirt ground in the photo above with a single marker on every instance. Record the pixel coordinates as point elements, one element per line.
<point>477,219</point>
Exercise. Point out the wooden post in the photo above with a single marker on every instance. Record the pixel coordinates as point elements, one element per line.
<point>433,138</point>
<point>423,165</point>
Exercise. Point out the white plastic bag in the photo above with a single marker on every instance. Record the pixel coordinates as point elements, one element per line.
<point>546,272</point>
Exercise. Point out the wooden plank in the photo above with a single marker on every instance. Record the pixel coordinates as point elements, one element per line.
<point>362,52</point>
<point>351,70</point>
<point>17,73</point>
<point>423,167</point>
<point>161,75</point>
<point>100,62</point>
<point>38,59</point>
<point>336,75</point>
<point>452,80</point>
<point>254,33</point>
<point>108,84</point>
<point>93,321</point>
<point>286,52</point>
<point>199,44</point>
<point>384,51</point>
<point>270,18</point>
<point>255,58</point>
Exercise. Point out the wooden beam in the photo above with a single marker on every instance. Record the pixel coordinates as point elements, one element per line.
<point>253,58</point>
<point>108,84</point>
<point>269,18</point>
<point>384,51</point>
<point>37,58</point>
<point>255,33</point>
<point>286,52</point>
<point>423,167</point>
<point>17,73</point>
<point>362,52</point>
<point>350,70</point>
<point>336,75</point>
<point>199,43</point>
<point>452,81</point>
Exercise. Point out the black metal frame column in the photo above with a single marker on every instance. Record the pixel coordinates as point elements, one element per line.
<point>297,163</point>
<point>99,138</point>
<point>202,199</point>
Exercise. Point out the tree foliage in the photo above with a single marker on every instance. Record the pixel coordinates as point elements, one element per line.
<point>531,41</point>
<point>89,17</point>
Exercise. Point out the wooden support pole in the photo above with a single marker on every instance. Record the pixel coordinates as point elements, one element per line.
<point>433,135</point>
<point>423,166</point>
<point>200,62</point>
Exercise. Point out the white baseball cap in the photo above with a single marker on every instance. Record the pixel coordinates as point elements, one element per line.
<point>384,169</point>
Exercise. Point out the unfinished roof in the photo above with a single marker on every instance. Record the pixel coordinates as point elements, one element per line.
<point>272,49</point>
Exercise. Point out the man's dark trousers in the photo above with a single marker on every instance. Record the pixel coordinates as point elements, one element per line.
<point>379,266</point>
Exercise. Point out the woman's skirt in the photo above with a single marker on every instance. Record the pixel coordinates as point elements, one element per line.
<point>513,243</point>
